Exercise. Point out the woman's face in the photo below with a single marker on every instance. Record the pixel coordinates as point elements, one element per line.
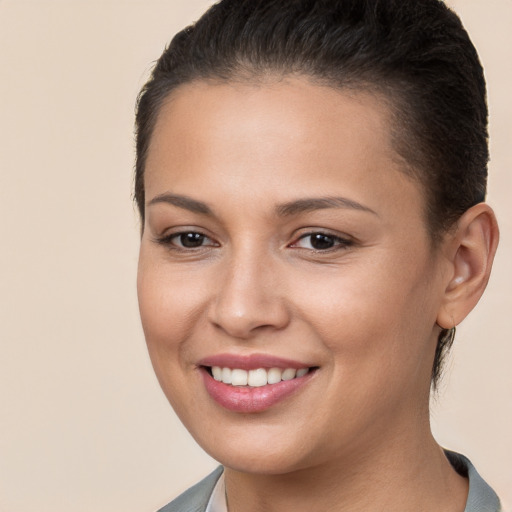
<point>281,234</point>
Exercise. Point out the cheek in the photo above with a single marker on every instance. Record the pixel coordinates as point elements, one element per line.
<point>376,318</point>
<point>168,299</point>
<point>168,304</point>
<point>168,310</point>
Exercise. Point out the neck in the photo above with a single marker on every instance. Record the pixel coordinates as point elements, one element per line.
<point>401,476</point>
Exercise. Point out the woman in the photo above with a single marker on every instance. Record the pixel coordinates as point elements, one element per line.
<point>311,176</point>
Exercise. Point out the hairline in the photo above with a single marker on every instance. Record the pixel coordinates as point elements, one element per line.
<point>270,75</point>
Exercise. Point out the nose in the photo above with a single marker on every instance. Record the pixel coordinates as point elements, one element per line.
<point>249,298</point>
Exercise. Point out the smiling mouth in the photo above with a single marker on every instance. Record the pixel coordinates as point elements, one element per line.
<point>260,384</point>
<point>255,378</point>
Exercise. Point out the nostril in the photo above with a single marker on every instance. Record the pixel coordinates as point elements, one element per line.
<point>246,305</point>
<point>246,326</point>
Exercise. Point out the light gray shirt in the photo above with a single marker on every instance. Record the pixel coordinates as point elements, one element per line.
<point>209,496</point>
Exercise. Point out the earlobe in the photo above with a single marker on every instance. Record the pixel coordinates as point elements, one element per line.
<point>470,248</point>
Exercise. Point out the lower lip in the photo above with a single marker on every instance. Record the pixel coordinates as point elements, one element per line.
<point>249,400</point>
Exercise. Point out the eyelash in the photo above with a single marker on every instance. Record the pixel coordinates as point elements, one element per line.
<point>168,241</point>
<point>338,243</point>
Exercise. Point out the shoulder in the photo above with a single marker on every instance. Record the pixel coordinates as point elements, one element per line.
<point>196,498</point>
<point>481,498</point>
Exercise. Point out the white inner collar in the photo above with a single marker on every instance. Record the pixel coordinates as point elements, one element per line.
<point>217,501</point>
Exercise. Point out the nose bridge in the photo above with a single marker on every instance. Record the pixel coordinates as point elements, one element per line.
<point>249,293</point>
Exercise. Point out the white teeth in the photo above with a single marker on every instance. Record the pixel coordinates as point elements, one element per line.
<point>217,373</point>
<point>226,375</point>
<point>255,378</point>
<point>239,377</point>
<point>274,375</point>
<point>289,374</point>
<point>302,372</point>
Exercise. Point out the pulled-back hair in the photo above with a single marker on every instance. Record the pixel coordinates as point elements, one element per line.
<point>415,54</point>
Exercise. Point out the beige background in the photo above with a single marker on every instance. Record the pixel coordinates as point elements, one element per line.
<point>83,425</point>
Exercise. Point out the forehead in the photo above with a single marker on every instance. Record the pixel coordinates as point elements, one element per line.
<point>292,109</point>
<point>276,139</point>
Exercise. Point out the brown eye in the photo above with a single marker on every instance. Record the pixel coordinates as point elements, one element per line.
<point>187,240</point>
<point>321,242</point>
<point>190,240</point>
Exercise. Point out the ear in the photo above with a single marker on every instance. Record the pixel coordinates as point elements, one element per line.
<point>470,250</point>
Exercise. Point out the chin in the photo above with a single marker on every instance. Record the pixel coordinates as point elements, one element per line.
<point>258,451</point>
<point>260,463</point>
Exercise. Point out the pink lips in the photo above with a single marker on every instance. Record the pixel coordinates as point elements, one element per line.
<point>248,399</point>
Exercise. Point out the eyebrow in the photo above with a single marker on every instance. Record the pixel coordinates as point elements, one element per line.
<point>283,210</point>
<point>187,203</point>
<point>319,203</point>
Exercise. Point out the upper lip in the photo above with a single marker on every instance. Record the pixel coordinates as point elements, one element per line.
<point>251,361</point>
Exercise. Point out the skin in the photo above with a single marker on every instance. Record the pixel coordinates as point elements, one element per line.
<point>366,312</point>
